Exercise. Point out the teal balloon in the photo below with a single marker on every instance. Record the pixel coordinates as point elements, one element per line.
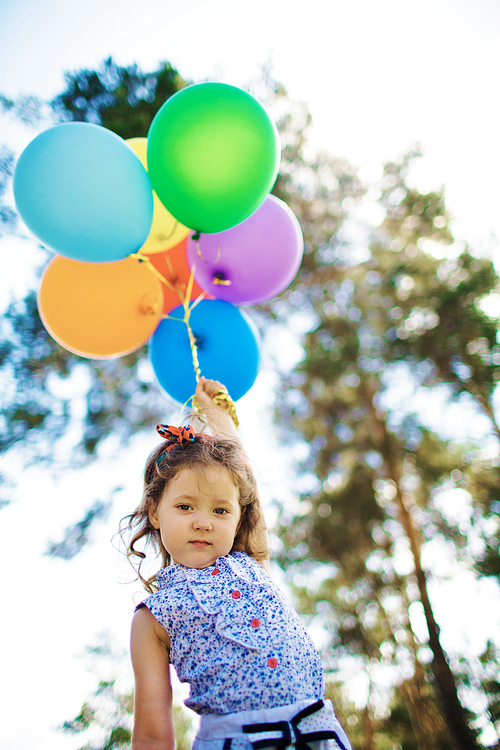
<point>227,343</point>
<point>83,192</point>
<point>213,156</point>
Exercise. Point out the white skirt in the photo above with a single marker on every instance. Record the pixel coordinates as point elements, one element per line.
<point>226,732</point>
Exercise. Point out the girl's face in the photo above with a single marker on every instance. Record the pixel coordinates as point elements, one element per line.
<point>198,516</point>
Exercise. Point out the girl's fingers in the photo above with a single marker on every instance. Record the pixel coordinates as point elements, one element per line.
<point>212,387</point>
<point>207,389</point>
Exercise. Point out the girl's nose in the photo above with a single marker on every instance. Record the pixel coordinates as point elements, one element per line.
<point>202,522</point>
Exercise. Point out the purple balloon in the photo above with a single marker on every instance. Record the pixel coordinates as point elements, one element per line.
<point>259,257</point>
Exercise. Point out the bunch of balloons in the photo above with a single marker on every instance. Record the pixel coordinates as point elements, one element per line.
<point>161,238</point>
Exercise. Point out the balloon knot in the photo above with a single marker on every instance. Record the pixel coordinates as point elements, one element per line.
<point>220,279</point>
<point>149,305</point>
<point>196,236</point>
<point>200,341</point>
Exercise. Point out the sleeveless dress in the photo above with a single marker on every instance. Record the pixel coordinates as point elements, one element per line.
<point>238,642</point>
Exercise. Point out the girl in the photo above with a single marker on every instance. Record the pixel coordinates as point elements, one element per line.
<point>213,610</point>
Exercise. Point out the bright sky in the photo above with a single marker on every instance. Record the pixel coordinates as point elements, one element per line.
<point>378,76</point>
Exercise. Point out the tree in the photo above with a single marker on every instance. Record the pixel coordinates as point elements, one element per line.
<point>397,311</point>
<point>105,721</point>
<point>108,719</point>
<point>125,100</point>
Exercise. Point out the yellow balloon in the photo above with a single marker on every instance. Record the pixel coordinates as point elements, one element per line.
<point>140,146</point>
<point>166,232</point>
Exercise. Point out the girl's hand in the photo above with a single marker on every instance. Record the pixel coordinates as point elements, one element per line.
<point>217,416</point>
<point>205,391</point>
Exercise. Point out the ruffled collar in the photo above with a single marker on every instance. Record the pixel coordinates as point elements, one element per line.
<point>213,589</point>
<point>177,572</point>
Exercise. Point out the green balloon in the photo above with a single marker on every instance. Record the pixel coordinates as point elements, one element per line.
<point>213,156</point>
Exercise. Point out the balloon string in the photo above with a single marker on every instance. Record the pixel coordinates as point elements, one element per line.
<point>198,300</point>
<point>147,260</point>
<point>218,277</point>
<point>168,263</point>
<point>173,287</point>
<point>185,303</point>
<point>198,250</point>
<point>222,398</point>
<point>165,239</point>
<point>193,404</point>
<point>165,316</point>
<point>172,274</point>
<point>187,313</point>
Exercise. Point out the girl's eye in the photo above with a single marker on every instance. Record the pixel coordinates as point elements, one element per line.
<point>220,511</point>
<point>184,506</point>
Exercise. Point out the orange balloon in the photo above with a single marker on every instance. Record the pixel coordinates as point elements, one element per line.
<point>173,266</point>
<point>100,310</point>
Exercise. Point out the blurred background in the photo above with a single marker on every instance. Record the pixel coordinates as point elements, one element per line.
<point>374,421</point>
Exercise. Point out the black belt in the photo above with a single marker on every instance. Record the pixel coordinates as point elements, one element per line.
<point>285,733</point>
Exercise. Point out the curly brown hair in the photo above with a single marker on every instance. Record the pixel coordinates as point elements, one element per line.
<point>162,466</point>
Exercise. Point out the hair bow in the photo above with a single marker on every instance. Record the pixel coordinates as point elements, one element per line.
<point>177,435</point>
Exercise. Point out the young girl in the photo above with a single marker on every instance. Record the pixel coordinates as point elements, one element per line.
<point>213,611</point>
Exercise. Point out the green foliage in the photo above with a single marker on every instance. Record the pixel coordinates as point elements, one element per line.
<point>183,726</point>
<point>108,717</point>
<point>108,714</point>
<point>34,367</point>
<point>7,215</point>
<point>28,358</point>
<point>81,722</point>
<point>489,565</point>
<point>392,314</point>
<point>399,725</point>
<point>485,675</point>
<point>389,727</point>
<point>26,109</point>
<point>77,536</point>
<point>125,100</point>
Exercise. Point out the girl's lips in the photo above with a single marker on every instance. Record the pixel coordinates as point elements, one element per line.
<point>200,543</point>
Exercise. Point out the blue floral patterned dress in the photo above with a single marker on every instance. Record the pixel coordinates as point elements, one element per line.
<point>238,642</point>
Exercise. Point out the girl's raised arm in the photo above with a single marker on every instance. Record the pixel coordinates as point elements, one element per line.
<point>218,417</point>
<point>153,722</point>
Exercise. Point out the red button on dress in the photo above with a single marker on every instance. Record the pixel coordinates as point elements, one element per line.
<point>236,594</point>
<point>215,571</point>
<point>255,623</point>
<point>272,662</point>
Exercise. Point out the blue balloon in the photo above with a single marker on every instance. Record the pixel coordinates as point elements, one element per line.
<point>83,192</point>
<point>227,343</point>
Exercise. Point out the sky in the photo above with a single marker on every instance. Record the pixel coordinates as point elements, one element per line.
<point>378,77</point>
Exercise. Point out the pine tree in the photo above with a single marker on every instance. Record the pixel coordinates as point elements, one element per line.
<point>398,312</point>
